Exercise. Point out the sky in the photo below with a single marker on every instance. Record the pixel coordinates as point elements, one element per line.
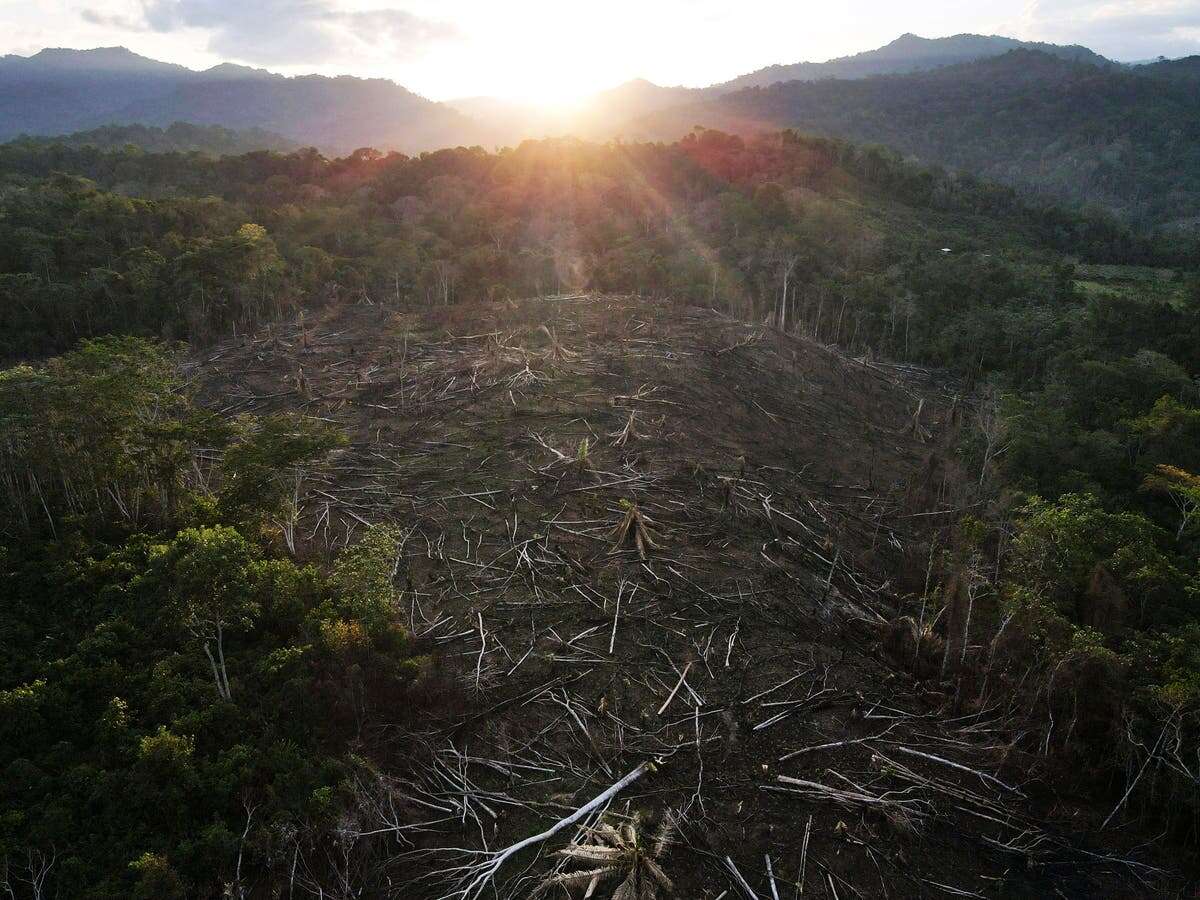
<point>554,51</point>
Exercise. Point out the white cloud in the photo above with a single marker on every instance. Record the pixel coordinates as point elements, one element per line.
<point>110,19</point>
<point>1121,29</point>
<point>290,32</point>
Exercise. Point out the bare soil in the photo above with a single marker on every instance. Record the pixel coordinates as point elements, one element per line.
<point>705,583</point>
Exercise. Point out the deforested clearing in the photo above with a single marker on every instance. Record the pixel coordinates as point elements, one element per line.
<point>665,563</point>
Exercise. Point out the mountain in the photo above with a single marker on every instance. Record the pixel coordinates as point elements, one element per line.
<point>609,113</point>
<point>59,91</point>
<point>600,116</point>
<point>908,53</point>
<point>1127,139</point>
<point>616,112</point>
<point>503,122</point>
<point>640,95</point>
<point>63,91</point>
<point>1062,120</point>
<point>337,114</point>
<point>1186,69</point>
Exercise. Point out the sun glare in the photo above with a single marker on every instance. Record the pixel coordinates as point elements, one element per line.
<point>554,60</point>
<point>559,87</point>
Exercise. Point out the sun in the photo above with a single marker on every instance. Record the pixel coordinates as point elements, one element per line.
<point>553,60</point>
<point>559,87</point>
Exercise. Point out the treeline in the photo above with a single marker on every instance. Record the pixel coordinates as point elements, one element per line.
<point>179,696</point>
<point>176,246</point>
<point>178,137</point>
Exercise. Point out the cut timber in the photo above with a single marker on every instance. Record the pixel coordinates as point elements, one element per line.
<point>481,874</point>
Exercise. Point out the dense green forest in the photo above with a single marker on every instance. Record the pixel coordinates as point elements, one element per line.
<point>183,248</point>
<point>178,137</point>
<point>181,697</point>
<point>1125,139</point>
<point>171,680</point>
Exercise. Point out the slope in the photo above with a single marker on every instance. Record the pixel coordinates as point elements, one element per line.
<point>178,137</point>
<point>336,114</point>
<point>64,91</point>
<point>1123,139</point>
<point>58,91</point>
<point>644,533</point>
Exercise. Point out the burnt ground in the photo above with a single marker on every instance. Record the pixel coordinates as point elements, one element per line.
<point>789,501</point>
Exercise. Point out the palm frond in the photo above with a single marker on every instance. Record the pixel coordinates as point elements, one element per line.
<point>628,889</point>
<point>655,871</point>
<point>664,836</point>
<point>624,852</point>
<point>590,852</point>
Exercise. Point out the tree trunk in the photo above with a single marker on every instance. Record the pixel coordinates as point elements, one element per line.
<point>228,694</point>
<point>216,674</point>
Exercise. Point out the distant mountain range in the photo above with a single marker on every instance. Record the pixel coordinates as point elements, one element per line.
<point>1061,119</point>
<point>1124,138</point>
<point>909,53</point>
<point>63,91</point>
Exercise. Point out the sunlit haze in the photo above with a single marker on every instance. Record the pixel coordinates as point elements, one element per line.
<point>553,52</point>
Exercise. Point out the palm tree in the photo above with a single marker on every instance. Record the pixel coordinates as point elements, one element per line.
<point>621,852</point>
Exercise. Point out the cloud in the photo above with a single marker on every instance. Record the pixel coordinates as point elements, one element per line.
<point>290,32</point>
<point>110,20</point>
<point>1124,29</point>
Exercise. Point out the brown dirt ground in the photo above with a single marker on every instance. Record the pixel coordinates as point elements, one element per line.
<point>792,505</point>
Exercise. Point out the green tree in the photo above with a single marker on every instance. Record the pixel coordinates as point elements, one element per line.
<point>211,574</point>
<point>1182,487</point>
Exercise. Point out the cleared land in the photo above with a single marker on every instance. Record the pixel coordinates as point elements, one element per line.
<point>641,533</point>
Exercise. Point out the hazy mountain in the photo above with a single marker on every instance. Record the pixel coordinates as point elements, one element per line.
<point>1186,69</point>
<point>60,91</point>
<point>641,96</point>
<point>908,53</point>
<point>1125,138</point>
<point>336,114</point>
<point>601,115</point>
<point>500,122</point>
<point>63,91</point>
<point>615,112</point>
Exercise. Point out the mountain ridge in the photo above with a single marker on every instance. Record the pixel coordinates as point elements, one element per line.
<point>1121,138</point>
<point>907,53</point>
<point>61,90</point>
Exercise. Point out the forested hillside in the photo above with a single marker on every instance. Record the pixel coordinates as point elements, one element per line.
<point>178,137</point>
<point>469,458</point>
<point>1125,139</point>
<point>182,248</point>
